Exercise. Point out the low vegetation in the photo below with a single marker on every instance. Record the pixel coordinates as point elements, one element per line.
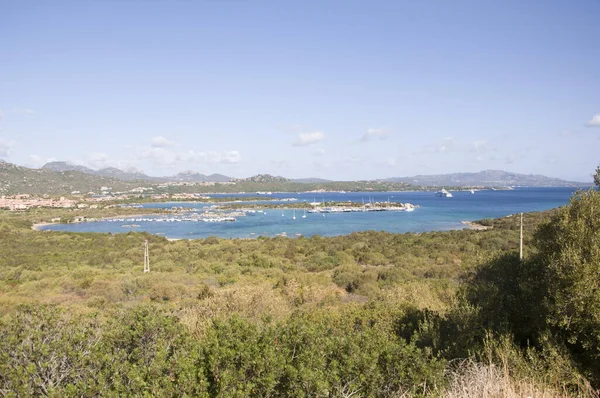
<point>370,314</point>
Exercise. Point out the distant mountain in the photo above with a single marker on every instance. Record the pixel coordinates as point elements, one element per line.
<point>16,179</point>
<point>133,174</point>
<point>125,175</point>
<point>494,178</point>
<point>192,176</point>
<point>312,180</point>
<point>218,178</point>
<point>66,166</point>
<point>265,178</point>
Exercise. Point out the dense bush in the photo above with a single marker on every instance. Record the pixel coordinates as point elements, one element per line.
<point>142,351</point>
<point>368,314</point>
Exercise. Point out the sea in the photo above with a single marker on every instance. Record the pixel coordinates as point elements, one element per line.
<point>433,214</point>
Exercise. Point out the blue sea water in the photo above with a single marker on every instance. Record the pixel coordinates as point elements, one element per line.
<point>434,214</point>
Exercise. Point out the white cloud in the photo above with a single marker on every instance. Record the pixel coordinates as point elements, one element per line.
<point>354,159</point>
<point>160,156</point>
<point>25,111</point>
<point>445,145</point>
<point>441,146</point>
<point>229,157</point>
<point>225,157</point>
<point>305,139</point>
<point>595,122</point>
<point>161,142</point>
<point>35,160</point>
<point>380,134</point>
<point>169,158</point>
<point>319,152</point>
<point>38,161</point>
<point>480,146</point>
<point>97,160</point>
<point>6,147</point>
<point>16,111</point>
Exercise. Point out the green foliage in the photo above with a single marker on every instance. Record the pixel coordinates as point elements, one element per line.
<point>370,314</point>
<point>44,350</point>
<point>507,296</point>
<point>554,292</point>
<point>145,352</point>
<point>22,180</point>
<point>569,248</point>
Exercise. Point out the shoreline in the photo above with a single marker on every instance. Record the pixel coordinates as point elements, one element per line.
<point>37,226</point>
<point>474,226</point>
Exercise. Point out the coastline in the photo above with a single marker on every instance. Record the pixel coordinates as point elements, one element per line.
<point>37,226</point>
<point>475,226</point>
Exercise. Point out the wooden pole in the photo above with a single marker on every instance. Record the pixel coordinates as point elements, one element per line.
<point>521,242</point>
<point>146,257</point>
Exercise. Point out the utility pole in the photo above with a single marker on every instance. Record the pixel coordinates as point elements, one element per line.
<point>521,243</point>
<point>146,257</point>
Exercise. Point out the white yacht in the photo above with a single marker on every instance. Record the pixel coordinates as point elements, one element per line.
<point>443,193</point>
<point>472,191</point>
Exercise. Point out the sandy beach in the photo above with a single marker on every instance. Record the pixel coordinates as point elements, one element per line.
<point>37,226</point>
<point>475,226</point>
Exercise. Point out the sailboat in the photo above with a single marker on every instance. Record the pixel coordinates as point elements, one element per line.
<point>472,191</point>
<point>304,215</point>
<point>294,216</point>
<point>282,213</point>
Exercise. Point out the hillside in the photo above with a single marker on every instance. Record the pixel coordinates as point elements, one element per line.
<point>495,178</point>
<point>16,179</point>
<point>192,176</point>
<point>312,180</point>
<point>134,174</point>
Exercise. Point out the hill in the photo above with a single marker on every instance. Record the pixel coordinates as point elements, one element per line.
<point>66,166</point>
<point>16,179</point>
<point>311,180</point>
<point>496,178</point>
<point>112,172</point>
<point>192,176</point>
<point>134,174</point>
<point>125,175</point>
<point>265,178</point>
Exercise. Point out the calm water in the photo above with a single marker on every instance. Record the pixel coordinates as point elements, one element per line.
<point>434,214</point>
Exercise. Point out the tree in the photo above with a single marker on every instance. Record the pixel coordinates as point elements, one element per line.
<point>569,250</point>
<point>597,177</point>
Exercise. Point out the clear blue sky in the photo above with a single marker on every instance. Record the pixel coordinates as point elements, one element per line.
<point>336,89</point>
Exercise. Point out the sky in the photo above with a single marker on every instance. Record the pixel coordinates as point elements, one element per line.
<point>342,90</point>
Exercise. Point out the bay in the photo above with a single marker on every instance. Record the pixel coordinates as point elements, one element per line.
<point>434,214</point>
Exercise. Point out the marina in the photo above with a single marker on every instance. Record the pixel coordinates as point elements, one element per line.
<point>356,211</point>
